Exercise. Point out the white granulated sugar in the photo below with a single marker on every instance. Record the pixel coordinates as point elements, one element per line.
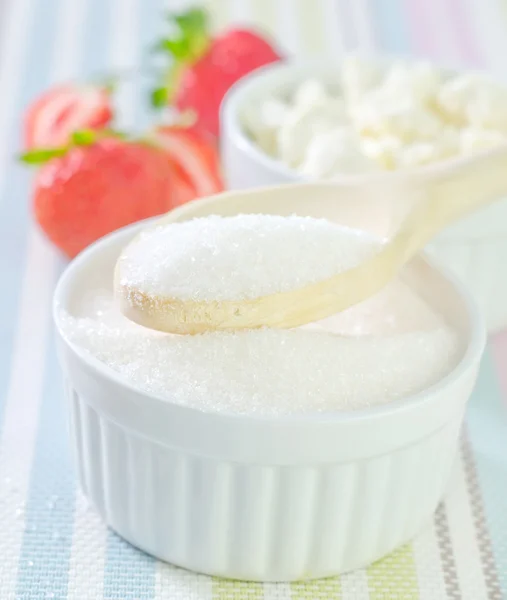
<point>376,358</point>
<point>234,258</point>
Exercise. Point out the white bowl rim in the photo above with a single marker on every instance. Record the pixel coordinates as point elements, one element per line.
<point>469,360</point>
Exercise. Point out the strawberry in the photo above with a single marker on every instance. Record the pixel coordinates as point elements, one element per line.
<point>203,68</point>
<point>86,191</point>
<point>54,116</point>
<point>182,190</point>
<point>196,158</point>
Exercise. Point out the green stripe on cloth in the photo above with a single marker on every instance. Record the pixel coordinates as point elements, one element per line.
<point>328,589</point>
<point>394,577</point>
<point>227,589</point>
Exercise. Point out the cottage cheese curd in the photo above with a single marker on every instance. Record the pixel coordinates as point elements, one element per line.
<point>407,115</point>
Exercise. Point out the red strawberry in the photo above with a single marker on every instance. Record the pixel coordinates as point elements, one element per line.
<point>204,69</point>
<point>196,158</point>
<point>182,190</point>
<point>54,116</point>
<point>92,190</point>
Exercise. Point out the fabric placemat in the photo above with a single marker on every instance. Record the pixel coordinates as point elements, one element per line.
<point>52,545</point>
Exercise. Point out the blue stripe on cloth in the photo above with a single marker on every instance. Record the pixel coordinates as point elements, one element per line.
<point>129,574</point>
<point>390,26</point>
<point>15,192</point>
<point>346,24</point>
<point>96,40</point>
<point>487,426</point>
<point>49,516</point>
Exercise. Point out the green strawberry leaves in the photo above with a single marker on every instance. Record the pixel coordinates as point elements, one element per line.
<point>178,49</point>
<point>81,137</point>
<point>84,137</point>
<point>189,42</point>
<point>191,21</point>
<point>40,156</point>
<point>191,38</point>
<point>159,97</point>
<point>193,30</point>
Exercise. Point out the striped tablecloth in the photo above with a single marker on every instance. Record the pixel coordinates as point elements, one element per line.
<point>52,545</point>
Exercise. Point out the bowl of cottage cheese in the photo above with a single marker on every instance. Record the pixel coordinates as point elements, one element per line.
<point>366,117</point>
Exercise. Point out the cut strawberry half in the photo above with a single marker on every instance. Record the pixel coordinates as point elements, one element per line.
<point>52,118</point>
<point>195,157</point>
<point>182,189</point>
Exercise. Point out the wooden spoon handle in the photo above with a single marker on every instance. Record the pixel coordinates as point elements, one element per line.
<point>455,191</point>
<point>447,195</point>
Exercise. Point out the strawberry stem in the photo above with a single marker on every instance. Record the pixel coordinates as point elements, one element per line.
<point>84,137</point>
<point>39,156</point>
<point>159,97</point>
<point>191,39</point>
<point>81,137</point>
<point>193,33</point>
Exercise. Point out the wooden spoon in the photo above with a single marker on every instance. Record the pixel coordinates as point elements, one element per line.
<point>436,196</point>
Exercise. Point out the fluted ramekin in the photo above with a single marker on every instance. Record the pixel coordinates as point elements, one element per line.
<point>268,499</point>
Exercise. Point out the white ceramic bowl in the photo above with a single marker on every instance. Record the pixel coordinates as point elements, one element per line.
<point>269,499</point>
<point>475,248</point>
